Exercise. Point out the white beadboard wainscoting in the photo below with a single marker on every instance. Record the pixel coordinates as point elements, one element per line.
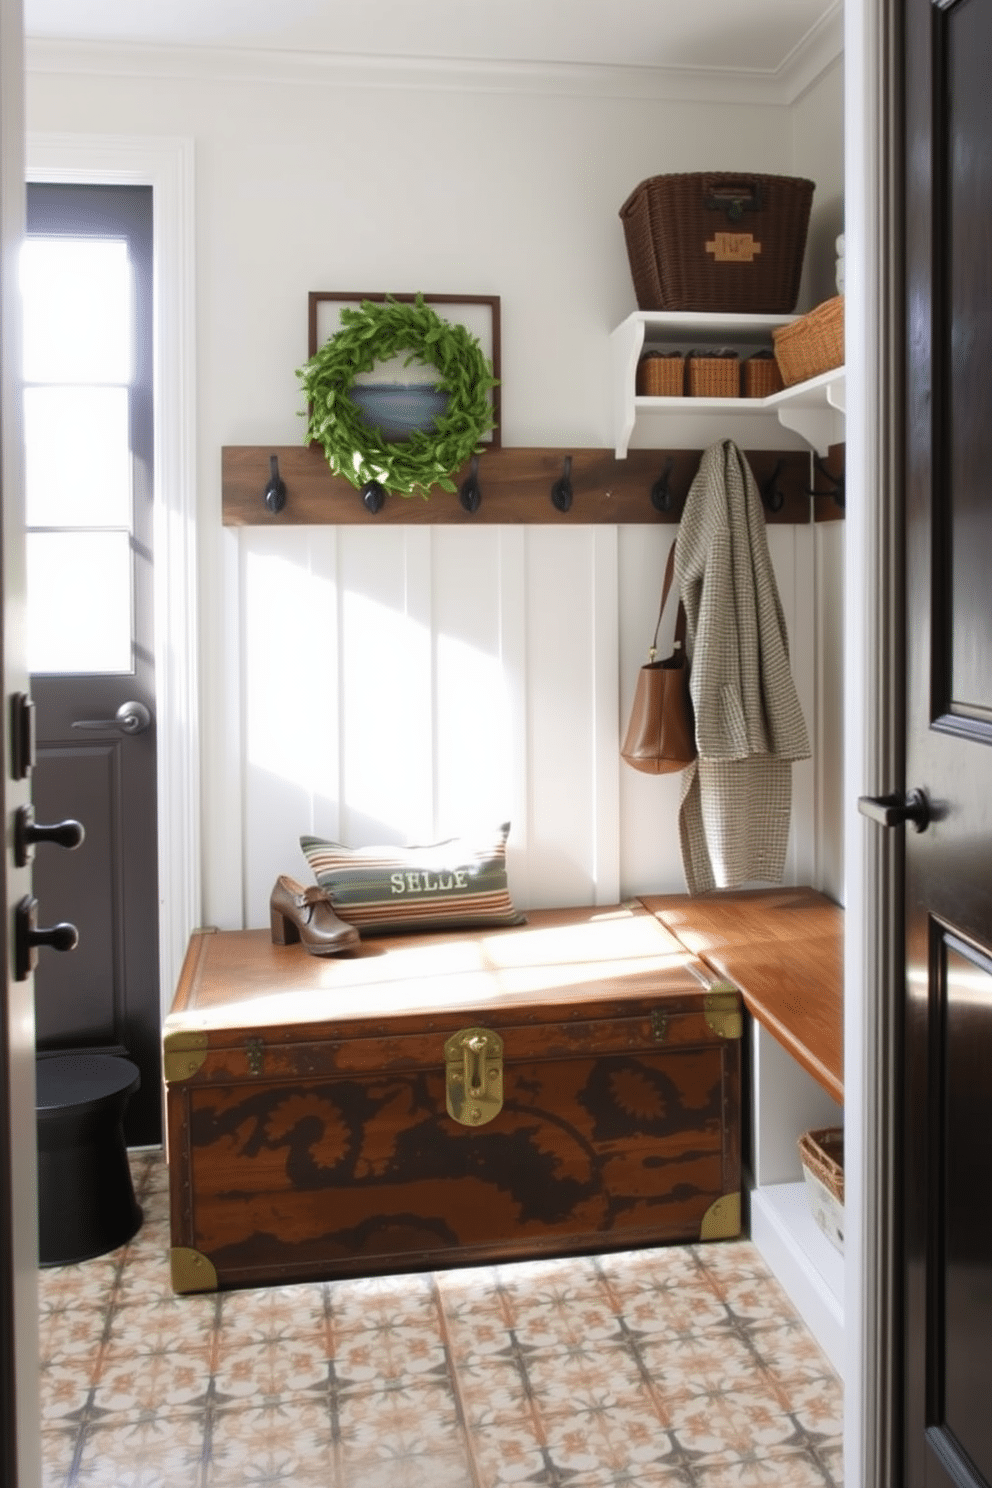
<point>405,684</point>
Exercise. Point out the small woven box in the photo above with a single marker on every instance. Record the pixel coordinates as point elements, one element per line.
<point>761,375</point>
<point>812,344</point>
<point>661,374</point>
<point>822,1156</point>
<point>714,375</point>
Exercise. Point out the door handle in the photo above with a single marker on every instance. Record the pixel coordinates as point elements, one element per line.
<point>68,834</point>
<point>892,811</point>
<point>130,718</point>
<point>28,937</point>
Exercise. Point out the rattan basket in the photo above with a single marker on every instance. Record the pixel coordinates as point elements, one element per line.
<point>822,1156</point>
<point>812,344</point>
<point>714,375</point>
<point>661,374</point>
<point>717,241</point>
<point>761,375</point>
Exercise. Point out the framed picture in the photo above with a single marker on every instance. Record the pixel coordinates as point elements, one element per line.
<point>401,398</point>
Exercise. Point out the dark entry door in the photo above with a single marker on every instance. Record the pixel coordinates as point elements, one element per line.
<point>87,279</point>
<point>948,1009</point>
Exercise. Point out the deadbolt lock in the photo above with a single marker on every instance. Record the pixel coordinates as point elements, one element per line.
<point>473,1082</point>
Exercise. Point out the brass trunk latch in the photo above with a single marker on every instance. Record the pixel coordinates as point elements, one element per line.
<point>473,1060</point>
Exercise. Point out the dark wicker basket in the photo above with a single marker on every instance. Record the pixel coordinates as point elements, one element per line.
<point>718,241</point>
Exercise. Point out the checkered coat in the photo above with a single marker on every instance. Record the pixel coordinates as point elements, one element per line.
<point>737,797</point>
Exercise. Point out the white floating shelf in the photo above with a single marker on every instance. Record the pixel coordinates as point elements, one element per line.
<point>813,410</point>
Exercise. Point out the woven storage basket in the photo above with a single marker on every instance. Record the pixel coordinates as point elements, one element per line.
<point>761,376</point>
<point>716,376</point>
<point>822,1156</point>
<point>812,344</point>
<point>717,241</point>
<point>661,375</point>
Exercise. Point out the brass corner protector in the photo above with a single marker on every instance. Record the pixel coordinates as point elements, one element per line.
<point>722,1220</point>
<point>182,1055</point>
<point>722,1009</point>
<point>191,1271</point>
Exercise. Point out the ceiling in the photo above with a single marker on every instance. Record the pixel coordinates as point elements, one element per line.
<point>759,36</point>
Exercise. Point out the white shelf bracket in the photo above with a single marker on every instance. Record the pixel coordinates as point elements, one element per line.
<point>820,427</point>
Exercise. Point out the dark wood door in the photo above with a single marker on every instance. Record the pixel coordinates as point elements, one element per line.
<point>89,480</point>
<point>948,1007</point>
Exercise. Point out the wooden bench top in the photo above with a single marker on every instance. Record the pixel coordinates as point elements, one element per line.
<point>784,949</point>
<point>569,960</point>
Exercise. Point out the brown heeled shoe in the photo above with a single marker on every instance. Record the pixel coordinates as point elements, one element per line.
<point>299,914</point>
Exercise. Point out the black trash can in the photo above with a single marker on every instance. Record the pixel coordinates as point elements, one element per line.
<point>86,1203</point>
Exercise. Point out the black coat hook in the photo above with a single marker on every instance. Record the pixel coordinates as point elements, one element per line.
<point>373,497</point>
<point>838,483</point>
<point>470,494</point>
<point>661,492</point>
<point>275,491</point>
<point>771,495</point>
<point>561,491</point>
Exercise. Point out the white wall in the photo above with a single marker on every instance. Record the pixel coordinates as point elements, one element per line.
<point>515,649</point>
<point>818,153</point>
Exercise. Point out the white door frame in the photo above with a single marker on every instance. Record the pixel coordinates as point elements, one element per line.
<point>874,742</point>
<point>165,164</point>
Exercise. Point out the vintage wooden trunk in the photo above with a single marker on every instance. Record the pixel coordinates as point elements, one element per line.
<point>570,1084</point>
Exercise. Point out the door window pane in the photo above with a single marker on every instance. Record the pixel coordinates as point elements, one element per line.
<point>78,460</point>
<point>79,601</point>
<point>78,301</point>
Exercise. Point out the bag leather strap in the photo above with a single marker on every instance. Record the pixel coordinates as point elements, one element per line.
<point>680,617</point>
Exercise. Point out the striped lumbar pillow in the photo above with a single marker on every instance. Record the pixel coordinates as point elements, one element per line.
<point>455,885</point>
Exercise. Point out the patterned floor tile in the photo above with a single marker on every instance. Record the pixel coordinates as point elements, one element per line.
<point>561,1317</point>
<point>675,1312</point>
<point>768,1470</point>
<point>269,1371</point>
<point>641,1369</point>
<point>265,1315</point>
<point>608,1441</point>
<point>412,1421</point>
<point>633,1271</point>
<point>818,1406</point>
<point>699,1365</point>
<point>152,1386</point>
<point>493,1392</point>
<point>732,1424</point>
<point>391,1356</point>
<point>286,1443</point>
<point>66,1385</point>
<point>146,1277</point>
<point>789,1351</point>
<point>584,1378</point>
<point>411,1472</point>
<point>163,1324</point>
<point>509,1457</point>
<point>71,1333</point>
<point>87,1285</point>
<point>159,1453</point>
<point>57,1451</point>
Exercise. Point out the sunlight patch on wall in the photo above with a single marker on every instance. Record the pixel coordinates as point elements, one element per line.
<point>474,742</point>
<point>290,673</point>
<point>386,721</point>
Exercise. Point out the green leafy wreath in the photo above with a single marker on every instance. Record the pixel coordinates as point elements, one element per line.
<point>373,333</point>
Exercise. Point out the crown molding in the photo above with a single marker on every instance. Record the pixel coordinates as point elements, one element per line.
<point>819,50</point>
<point>245,65</point>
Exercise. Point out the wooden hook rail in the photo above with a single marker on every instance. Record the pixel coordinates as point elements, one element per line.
<point>573,486</point>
